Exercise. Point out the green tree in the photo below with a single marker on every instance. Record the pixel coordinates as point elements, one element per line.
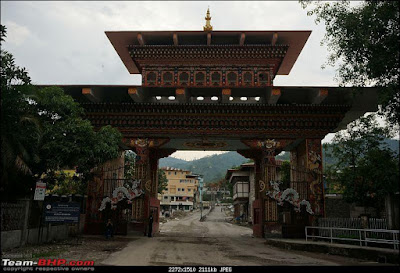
<point>65,184</point>
<point>130,161</point>
<point>285,174</point>
<point>20,127</point>
<point>364,40</point>
<point>43,132</point>
<point>68,140</point>
<point>162,181</point>
<point>366,168</point>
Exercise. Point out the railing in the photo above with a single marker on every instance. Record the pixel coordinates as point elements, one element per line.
<point>352,223</point>
<point>364,235</point>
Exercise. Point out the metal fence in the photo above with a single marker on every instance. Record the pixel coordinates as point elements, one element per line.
<point>375,223</point>
<point>364,236</point>
<point>348,224</point>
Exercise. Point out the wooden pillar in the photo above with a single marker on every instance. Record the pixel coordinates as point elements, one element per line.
<point>142,172</point>
<point>293,165</point>
<point>314,176</point>
<point>272,227</point>
<point>306,162</point>
<point>146,168</point>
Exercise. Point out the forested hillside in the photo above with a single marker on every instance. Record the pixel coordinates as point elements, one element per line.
<point>214,167</point>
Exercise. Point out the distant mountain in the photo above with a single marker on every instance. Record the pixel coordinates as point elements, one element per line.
<point>214,167</point>
<point>393,144</point>
<point>285,156</point>
<point>173,162</point>
<point>211,167</point>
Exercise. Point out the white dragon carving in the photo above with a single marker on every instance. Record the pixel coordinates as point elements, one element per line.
<point>120,193</point>
<point>289,195</point>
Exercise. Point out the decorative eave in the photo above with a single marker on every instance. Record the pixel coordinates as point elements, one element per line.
<point>121,40</point>
<point>350,103</point>
<point>240,121</point>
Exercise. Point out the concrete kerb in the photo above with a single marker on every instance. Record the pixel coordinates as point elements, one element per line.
<point>358,252</point>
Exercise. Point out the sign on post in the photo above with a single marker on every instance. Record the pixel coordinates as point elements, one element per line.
<point>40,191</point>
<point>59,212</point>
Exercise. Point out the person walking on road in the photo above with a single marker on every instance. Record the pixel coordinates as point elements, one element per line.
<point>150,229</point>
<point>109,229</point>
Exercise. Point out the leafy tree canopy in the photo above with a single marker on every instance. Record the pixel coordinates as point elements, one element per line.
<point>364,40</point>
<point>366,169</point>
<point>43,132</point>
<point>130,160</point>
<point>20,127</point>
<point>69,141</point>
<point>162,181</point>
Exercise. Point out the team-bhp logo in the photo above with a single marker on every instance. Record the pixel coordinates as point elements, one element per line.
<point>47,262</point>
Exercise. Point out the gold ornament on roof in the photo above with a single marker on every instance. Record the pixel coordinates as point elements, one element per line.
<point>208,26</point>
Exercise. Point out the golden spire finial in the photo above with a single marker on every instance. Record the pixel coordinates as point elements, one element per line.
<point>208,26</point>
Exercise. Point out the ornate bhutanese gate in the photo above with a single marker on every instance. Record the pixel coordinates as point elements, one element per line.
<point>213,90</point>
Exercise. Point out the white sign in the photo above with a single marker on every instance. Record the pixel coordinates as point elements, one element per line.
<point>40,191</point>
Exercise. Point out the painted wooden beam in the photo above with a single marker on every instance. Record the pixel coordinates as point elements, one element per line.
<point>242,38</point>
<point>136,94</point>
<point>90,94</point>
<point>274,96</point>
<point>319,96</point>
<point>175,38</point>
<point>274,38</point>
<point>208,38</point>
<point>140,39</point>
<point>181,94</point>
<point>225,95</point>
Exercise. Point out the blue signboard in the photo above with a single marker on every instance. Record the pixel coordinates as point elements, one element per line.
<point>62,212</point>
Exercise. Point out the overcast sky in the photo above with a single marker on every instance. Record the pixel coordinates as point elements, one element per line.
<point>64,42</point>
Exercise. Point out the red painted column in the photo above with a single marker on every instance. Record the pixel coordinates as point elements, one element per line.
<point>272,227</point>
<point>258,208</point>
<point>315,177</point>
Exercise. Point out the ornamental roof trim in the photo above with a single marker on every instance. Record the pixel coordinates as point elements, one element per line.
<point>121,40</point>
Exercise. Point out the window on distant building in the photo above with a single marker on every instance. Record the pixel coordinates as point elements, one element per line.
<point>169,173</point>
<point>189,189</point>
<point>179,189</point>
<point>175,173</point>
<point>165,197</point>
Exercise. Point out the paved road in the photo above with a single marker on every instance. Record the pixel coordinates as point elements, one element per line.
<point>212,242</point>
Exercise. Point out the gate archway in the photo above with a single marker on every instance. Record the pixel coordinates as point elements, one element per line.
<point>248,114</point>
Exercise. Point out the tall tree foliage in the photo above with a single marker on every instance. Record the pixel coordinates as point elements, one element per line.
<point>162,181</point>
<point>69,141</point>
<point>366,168</point>
<point>20,126</point>
<point>364,40</point>
<point>42,132</point>
<point>130,161</point>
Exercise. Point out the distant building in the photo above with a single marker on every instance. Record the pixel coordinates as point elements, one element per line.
<point>242,180</point>
<point>181,190</point>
